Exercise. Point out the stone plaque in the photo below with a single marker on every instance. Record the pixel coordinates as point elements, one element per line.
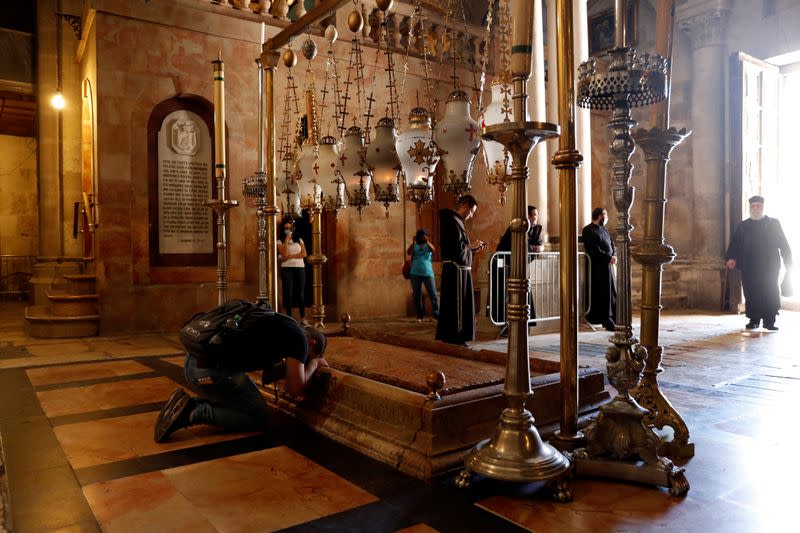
<point>183,231</point>
<point>184,183</point>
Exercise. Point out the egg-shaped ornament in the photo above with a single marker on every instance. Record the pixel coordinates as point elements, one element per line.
<point>309,49</point>
<point>306,180</point>
<point>331,33</point>
<point>355,21</point>
<point>328,175</point>
<point>458,139</point>
<point>356,174</point>
<point>289,58</point>
<point>384,164</point>
<point>418,156</point>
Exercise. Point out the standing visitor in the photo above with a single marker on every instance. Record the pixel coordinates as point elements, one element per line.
<point>421,252</point>
<point>292,251</point>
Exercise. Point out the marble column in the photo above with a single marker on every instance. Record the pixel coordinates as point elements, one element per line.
<point>706,23</point>
<point>537,162</point>
<point>583,126</point>
<point>551,215</point>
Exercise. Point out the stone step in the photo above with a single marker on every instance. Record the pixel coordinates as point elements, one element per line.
<point>81,283</point>
<point>49,275</point>
<point>41,323</point>
<point>66,304</point>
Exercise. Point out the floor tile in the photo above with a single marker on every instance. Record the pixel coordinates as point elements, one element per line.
<point>105,396</point>
<point>175,360</point>
<point>147,502</point>
<point>419,528</point>
<point>82,372</point>
<point>265,490</point>
<point>117,439</point>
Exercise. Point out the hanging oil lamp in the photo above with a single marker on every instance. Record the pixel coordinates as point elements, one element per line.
<point>418,156</point>
<point>383,162</point>
<point>458,139</point>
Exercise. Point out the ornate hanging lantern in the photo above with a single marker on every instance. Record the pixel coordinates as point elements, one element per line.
<point>383,162</point>
<point>304,174</point>
<point>418,156</point>
<point>354,169</point>
<point>328,175</point>
<point>495,155</point>
<point>290,187</point>
<point>458,141</point>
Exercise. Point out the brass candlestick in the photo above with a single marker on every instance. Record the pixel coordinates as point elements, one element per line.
<point>317,259</point>
<point>652,254</point>
<point>618,437</point>
<point>516,452</point>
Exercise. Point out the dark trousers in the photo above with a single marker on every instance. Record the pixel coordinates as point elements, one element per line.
<point>294,287</point>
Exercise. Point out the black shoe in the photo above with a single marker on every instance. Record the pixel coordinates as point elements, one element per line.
<point>610,326</point>
<point>174,415</point>
<point>771,327</point>
<point>751,325</point>
<point>503,332</point>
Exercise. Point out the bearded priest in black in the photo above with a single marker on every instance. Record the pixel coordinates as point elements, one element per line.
<point>756,249</point>
<point>599,246</point>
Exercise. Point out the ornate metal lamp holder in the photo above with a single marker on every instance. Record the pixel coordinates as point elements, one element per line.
<point>255,186</point>
<point>619,444</point>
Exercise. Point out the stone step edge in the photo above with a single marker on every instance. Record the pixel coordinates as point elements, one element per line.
<point>81,277</point>
<point>57,318</point>
<point>65,297</point>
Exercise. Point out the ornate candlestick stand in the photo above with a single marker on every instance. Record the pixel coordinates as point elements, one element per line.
<point>619,437</point>
<point>220,204</point>
<point>652,253</point>
<point>516,452</point>
<point>255,186</point>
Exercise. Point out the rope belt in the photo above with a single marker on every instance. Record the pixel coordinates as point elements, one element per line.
<point>459,291</point>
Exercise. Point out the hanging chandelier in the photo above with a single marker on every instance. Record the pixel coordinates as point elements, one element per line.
<point>328,175</point>
<point>458,142</point>
<point>354,169</point>
<point>418,156</point>
<point>384,163</point>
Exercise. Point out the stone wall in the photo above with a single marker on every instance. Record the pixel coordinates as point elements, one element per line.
<point>19,231</point>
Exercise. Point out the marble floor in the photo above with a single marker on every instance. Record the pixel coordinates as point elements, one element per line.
<point>76,418</point>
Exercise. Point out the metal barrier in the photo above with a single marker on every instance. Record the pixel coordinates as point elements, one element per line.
<point>15,276</point>
<point>545,283</point>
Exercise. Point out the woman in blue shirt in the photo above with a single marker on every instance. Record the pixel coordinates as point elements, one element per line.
<point>421,252</point>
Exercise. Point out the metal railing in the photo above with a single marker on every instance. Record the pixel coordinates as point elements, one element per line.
<point>15,276</point>
<point>544,276</point>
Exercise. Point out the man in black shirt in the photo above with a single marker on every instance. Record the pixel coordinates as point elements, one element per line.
<point>227,397</point>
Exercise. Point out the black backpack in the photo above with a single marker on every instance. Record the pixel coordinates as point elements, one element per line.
<point>223,329</point>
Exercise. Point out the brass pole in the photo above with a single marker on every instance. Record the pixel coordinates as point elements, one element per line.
<point>657,144</point>
<point>317,259</point>
<point>220,204</point>
<point>567,160</point>
<point>270,58</point>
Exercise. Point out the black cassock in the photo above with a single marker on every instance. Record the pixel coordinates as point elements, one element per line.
<point>500,273</point>
<point>755,247</point>
<point>599,246</point>
<point>456,323</point>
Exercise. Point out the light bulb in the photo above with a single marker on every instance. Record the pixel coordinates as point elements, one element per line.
<point>58,101</point>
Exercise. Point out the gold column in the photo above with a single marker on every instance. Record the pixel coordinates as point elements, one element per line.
<point>220,204</point>
<point>270,58</point>
<point>657,144</point>
<point>567,160</point>
<point>317,259</point>
<point>515,452</point>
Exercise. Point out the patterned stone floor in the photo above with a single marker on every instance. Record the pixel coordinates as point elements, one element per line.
<point>76,425</point>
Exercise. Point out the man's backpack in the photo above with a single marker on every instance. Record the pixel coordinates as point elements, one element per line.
<point>223,329</point>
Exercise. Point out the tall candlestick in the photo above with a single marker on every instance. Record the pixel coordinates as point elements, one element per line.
<point>219,117</point>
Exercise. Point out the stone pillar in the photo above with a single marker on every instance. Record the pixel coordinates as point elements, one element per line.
<point>706,24</point>
<point>583,125</point>
<point>537,162</point>
<point>551,216</point>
